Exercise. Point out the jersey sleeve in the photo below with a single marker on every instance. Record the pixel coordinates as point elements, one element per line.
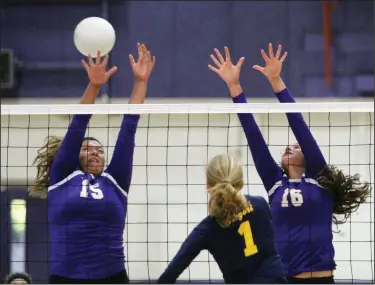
<point>267,168</point>
<point>189,250</point>
<point>121,165</point>
<point>67,157</point>
<point>314,158</point>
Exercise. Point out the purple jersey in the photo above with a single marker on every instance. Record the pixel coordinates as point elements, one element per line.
<point>302,215</point>
<point>87,215</point>
<point>302,210</point>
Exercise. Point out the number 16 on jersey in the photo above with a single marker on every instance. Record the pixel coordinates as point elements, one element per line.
<point>295,197</point>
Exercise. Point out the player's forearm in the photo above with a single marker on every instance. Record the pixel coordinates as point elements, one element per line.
<point>266,166</point>
<point>139,91</point>
<point>66,159</point>
<point>167,278</point>
<point>189,250</point>
<point>121,165</point>
<point>90,94</point>
<point>314,158</point>
<point>175,268</point>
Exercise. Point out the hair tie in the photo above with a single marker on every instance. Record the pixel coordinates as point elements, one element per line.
<point>226,181</point>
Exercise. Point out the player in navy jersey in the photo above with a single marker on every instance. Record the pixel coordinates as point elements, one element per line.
<point>87,204</point>
<point>238,231</point>
<point>304,193</point>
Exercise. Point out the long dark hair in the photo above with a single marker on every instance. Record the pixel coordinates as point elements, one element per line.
<point>348,191</point>
<point>43,162</point>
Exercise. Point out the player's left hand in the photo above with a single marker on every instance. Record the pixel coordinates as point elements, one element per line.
<point>229,72</point>
<point>143,67</point>
<point>274,63</point>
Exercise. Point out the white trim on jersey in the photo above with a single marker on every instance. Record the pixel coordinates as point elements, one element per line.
<point>312,181</point>
<point>70,176</point>
<point>109,176</point>
<point>279,183</point>
<point>274,187</point>
<point>294,180</point>
<point>79,172</point>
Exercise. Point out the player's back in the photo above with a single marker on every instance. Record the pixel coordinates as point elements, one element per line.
<point>246,252</point>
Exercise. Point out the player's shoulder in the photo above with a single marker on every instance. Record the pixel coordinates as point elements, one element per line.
<point>206,223</point>
<point>74,176</point>
<point>205,226</point>
<point>257,201</point>
<point>312,181</point>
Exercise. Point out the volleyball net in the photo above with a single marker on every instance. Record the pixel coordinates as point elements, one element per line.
<point>173,144</point>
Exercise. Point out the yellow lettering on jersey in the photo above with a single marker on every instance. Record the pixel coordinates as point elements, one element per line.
<point>248,210</point>
<point>245,231</point>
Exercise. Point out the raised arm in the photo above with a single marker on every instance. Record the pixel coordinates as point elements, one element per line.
<point>266,166</point>
<point>121,165</point>
<point>66,159</point>
<point>189,250</point>
<point>314,158</point>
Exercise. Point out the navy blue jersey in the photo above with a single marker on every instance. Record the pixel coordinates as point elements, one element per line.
<point>245,252</point>
<point>302,210</point>
<point>86,214</point>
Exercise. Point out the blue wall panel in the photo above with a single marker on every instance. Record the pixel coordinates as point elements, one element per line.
<point>183,34</point>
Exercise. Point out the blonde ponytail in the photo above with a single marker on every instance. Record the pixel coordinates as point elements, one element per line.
<point>225,203</point>
<point>225,181</point>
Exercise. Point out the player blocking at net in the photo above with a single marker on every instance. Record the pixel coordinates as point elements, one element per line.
<point>305,193</point>
<point>238,231</point>
<point>87,204</point>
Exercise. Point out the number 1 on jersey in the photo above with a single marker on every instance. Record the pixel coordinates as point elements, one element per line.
<point>245,231</point>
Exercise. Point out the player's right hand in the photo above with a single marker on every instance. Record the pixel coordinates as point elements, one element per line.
<point>229,72</point>
<point>274,63</point>
<point>142,68</point>
<point>96,71</point>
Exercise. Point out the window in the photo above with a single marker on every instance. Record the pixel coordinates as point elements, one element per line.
<point>18,235</point>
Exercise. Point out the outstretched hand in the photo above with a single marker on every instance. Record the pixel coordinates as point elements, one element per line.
<point>143,67</point>
<point>274,63</point>
<point>229,72</point>
<point>96,71</point>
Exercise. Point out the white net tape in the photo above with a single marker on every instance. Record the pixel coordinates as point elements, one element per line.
<point>213,108</point>
<point>174,142</point>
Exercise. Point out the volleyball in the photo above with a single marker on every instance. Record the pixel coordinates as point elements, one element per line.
<point>94,33</point>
